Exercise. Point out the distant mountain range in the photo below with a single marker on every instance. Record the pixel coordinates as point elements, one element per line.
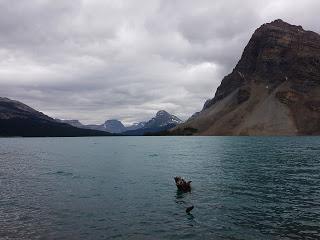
<point>160,122</point>
<point>273,90</point>
<point>18,119</point>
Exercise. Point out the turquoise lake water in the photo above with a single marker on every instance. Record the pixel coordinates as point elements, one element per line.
<point>123,188</point>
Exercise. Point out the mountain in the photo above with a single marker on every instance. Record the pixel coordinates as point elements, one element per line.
<point>161,122</point>
<point>18,119</point>
<point>114,126</point>
<point>111,126</point>
<point>136,126</point>
<point>74,123</point>
<point>273,90</point>
<point>78,124</point>
<point>162,119</point>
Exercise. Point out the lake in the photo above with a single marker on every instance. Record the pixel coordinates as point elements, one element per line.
<point>123,188</point>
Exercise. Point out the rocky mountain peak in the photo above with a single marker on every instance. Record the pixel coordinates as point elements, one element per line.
<point>273,90</point>
<point>162,121</point>
<point>281,24</point>
<point>167,117</point>
<point>114,126</point>
<point>113,121</point>
<point>277,52</point>
<point>162,113</point>
<point>162,118</point>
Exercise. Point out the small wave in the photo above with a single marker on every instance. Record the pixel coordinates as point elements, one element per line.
<point>63,173</point>
<point>59,172</point>
<point>313,148</point>
<point>153,155</point>
<point>181,155</point>
<point>180,201</point>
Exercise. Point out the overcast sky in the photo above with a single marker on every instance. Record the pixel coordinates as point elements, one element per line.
<point>94,60</point>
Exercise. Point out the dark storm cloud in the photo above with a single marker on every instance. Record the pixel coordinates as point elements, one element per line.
<point>93,60</point>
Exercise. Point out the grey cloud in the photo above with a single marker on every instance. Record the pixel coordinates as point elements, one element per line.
<point>92,60</point>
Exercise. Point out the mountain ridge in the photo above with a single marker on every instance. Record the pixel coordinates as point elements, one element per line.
<point>160,122</point>
<point>18,119</point>
<point>273,90</point>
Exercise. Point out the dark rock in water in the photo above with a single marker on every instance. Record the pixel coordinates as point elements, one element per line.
<point>189,209</point>
<point>182,185</point>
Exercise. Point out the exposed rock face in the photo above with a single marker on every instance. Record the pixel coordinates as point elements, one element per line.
<point>18,119</point>
<point>114,126</point>
<point>273,90</point>
<point>161,119</point>
<point>161,122</point>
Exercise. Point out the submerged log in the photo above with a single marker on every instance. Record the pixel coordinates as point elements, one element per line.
<point>189,209</point>
<point>182,185</point>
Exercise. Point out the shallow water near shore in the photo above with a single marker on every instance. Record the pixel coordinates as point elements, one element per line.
<point>123,188</point>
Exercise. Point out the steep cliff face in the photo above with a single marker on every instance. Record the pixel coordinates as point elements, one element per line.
<point>273,90</point>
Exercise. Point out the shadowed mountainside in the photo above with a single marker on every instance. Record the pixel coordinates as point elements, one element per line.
<point>18,119</point>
